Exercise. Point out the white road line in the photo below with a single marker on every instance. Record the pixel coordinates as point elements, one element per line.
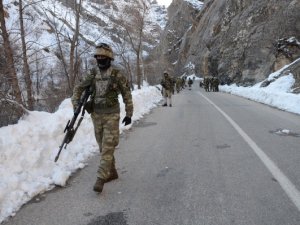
<point>284,182</point>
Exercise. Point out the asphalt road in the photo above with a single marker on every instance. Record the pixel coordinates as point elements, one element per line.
<point>211,159</point>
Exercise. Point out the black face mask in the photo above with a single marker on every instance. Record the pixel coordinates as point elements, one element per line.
<point>104,64</point>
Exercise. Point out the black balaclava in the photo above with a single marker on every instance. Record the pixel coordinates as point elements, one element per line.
<point>104,63</point>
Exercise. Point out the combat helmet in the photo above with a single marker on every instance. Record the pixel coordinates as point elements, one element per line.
<point>104,50</point>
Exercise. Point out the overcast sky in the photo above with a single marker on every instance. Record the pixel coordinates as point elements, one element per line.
<point>164,2</point>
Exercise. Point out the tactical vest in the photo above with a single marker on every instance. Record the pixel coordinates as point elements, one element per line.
<point>105,93</point>
<point>167,83</point>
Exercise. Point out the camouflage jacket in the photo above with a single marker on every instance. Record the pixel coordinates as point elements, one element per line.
<point>105,91</point>
<point>167,83</point>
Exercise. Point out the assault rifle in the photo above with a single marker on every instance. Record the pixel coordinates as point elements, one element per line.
<point>70,125</point>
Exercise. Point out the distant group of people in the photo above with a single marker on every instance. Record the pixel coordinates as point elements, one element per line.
<point>169,83</point>
<point>210,84</point>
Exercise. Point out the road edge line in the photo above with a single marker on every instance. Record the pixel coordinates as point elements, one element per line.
<point>289,188</point>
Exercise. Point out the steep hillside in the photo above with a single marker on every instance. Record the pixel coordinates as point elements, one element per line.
<point>238,41</point>
<point>99,22</point>
<point>50,27</point>
<point>59,56</point>
<point>181,16</point>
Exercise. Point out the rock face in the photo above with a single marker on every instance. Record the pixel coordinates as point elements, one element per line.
<point>237,40</point>
<point>181,16</point>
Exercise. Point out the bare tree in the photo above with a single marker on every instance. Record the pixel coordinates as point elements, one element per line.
<point>74,58</point>
<point>134,25</point>
<point>9,58</point>
<point>121,50</point>
<point>70,61</point>
<point>58,27</point>
<point>26,69</point>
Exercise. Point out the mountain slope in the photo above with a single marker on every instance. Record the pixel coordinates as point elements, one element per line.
<point>236,40</point>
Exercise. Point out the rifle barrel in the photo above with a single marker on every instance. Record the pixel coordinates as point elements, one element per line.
<point>69,127</point>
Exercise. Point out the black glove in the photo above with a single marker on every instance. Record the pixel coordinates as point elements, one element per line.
<point>126,120</point>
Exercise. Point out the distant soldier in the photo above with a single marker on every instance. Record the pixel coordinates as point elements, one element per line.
<point>173,84</point>
<point>201,84</point>
<point>215,83</point>
<point>211,80</point>
<point>206,84</point>
<point>183,84</point>
<point>190,82</point>
<point>106,83</point>
<point>168,88</point>
<point>178,84</point>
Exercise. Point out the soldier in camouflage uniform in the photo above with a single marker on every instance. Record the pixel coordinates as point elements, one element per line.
<point>190,83</point>
<point>216,83</point>
<point>168,88</point>
<point>178,84</point>
<point>106,83</point>
<point>206,83</point>
<point>183,82</point>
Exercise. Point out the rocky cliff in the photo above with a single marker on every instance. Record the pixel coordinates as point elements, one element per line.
<point>181,16</point>
<point>239,41</point>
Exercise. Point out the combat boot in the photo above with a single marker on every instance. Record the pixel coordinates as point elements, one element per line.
<point>113,175</point>
<point>98,187</point>
<point>165,104</point>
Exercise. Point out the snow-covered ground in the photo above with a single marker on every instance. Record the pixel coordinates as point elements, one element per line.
<point>28,149</point>
<point>277,93</point>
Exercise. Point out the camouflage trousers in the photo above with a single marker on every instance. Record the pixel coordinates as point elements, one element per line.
<point>106,128</point>
<point>167,94</point>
